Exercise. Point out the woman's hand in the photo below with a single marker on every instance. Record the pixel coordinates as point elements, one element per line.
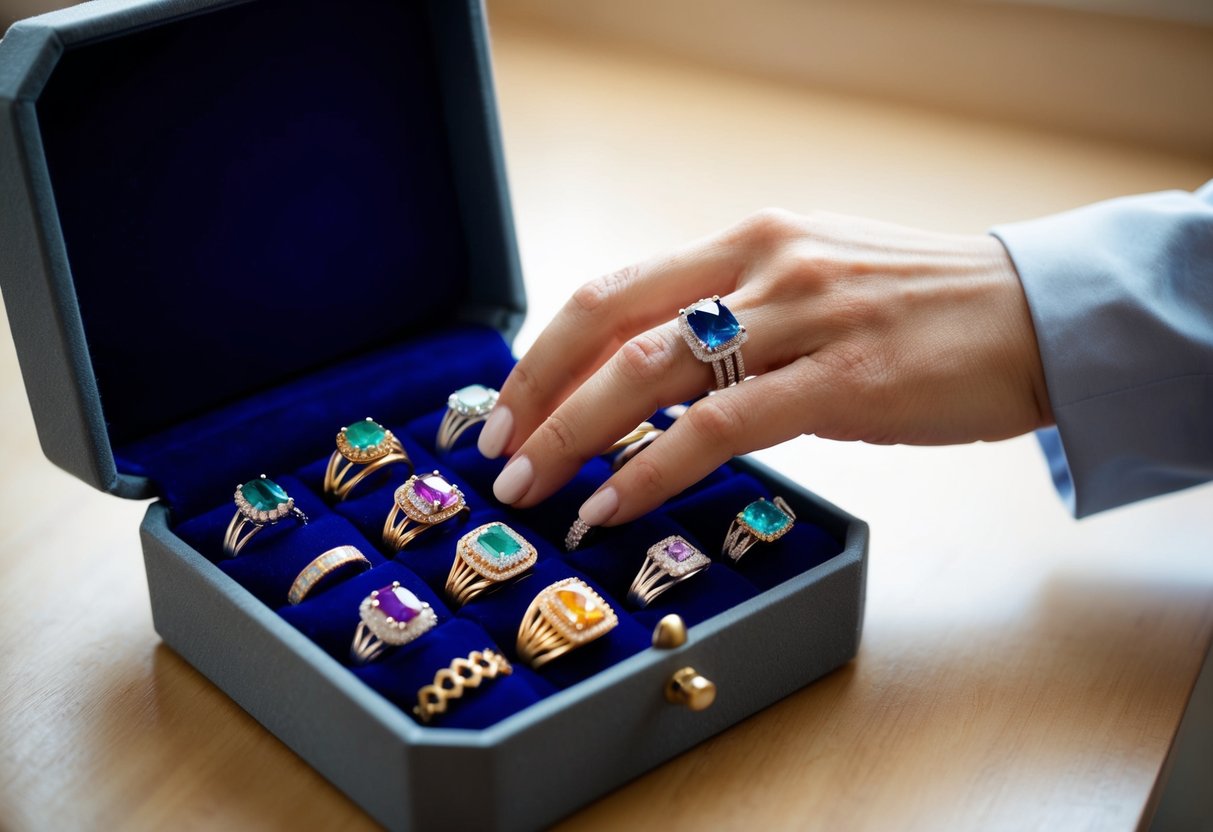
<point>857,330</point>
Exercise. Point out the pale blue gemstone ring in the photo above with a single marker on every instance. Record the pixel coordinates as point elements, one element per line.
<point>715,337</point>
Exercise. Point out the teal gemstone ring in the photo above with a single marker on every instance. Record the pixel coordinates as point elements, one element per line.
<point>487,556</point>
<point>259,503</point>
<point>363,448</point>
<point>715,337</point>
<point>762,520</point>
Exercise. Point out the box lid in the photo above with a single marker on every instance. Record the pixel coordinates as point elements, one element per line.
<point>207,198</point>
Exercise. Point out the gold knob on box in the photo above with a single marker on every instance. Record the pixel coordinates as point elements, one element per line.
<point>687,687</point>
<point>670,632</point>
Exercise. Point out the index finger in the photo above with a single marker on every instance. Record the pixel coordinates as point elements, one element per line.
<point>593,324</point>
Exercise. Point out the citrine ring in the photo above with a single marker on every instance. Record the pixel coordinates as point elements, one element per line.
<point>465,407</point>
<point>259,503</point>
<point>487,556</point>
<point>335,560</point>
<point>715,337</point>
<point>391,616</point>
<point>762,520</point>
<point>563,616</point>
<point>363,448</point>
<point>422,502</point>
<point>669,562</point>
<point>461,676</point>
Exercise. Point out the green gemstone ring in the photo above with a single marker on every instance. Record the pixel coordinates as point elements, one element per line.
<point>366,446</point>
<point>762,520</point>
<point>259,503</point>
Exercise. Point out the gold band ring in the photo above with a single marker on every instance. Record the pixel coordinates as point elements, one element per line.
<point>326,564</point>
<point>563,616</point>
<point>669,562</point>
<point>422,502</point>
<point>363,448</point>
<point>487,556</point>
<point>462,674</point>
<point>259,503</point>
<point>762,520</point>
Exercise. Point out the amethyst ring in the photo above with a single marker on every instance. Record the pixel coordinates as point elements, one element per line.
<point>669,562</point>
<point>715,337</point>
<point>422,502</point>
<point>391,616</point>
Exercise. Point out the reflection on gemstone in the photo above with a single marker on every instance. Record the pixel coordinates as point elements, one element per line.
<point>498,543</point>
<point>263,494</point>
<point>434,489</point>
<point>398,603</point>
<point>581,607</point>
<point>365,434</point>
<point>473,396</point>
<point>712,323</point>
<point>765,517</point>
<point>679,550</point>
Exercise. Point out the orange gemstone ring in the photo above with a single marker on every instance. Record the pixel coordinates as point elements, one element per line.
<point>564,615</point>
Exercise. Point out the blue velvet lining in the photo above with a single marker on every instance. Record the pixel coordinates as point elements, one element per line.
<point>245,176</point>
<point>288,432</point>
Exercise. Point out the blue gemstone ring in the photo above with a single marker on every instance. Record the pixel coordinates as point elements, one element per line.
<point>715,337</point>
<point>762,520</point>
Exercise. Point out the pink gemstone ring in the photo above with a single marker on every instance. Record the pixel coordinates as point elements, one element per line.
<point>425,500</point>
<point>668,562</point>
<point>391,616</point>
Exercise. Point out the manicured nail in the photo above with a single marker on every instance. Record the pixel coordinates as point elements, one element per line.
<point>599,508</point>
<point>496,432</point>
<point>514,481</point>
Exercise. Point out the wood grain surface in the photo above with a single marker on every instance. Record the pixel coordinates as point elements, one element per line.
<point>1018,669</point>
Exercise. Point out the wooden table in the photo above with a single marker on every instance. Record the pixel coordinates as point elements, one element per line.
<point>1018,669</point>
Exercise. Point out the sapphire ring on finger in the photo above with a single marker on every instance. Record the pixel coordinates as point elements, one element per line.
<point>715,337</point>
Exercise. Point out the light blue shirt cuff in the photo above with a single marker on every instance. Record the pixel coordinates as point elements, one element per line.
<point>1121,295</point>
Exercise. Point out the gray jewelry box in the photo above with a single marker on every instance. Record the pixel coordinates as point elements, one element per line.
<point>402,773</point>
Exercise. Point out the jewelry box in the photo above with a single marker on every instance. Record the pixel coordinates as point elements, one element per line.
<point>231,229</point>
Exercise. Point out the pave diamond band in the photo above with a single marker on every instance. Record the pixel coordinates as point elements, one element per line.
<point>715,337</point>
<point>335,559</point>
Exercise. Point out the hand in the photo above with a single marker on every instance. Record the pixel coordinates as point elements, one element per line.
<point>858,330</point>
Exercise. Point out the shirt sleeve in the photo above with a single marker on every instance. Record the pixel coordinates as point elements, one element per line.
<point>1121,295</point>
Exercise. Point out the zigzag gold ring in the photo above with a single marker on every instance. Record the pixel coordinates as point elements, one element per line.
<point>462,675</point>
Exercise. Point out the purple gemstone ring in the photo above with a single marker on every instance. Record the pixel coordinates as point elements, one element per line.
<point>391,616</point>
<point>669,562</point>
<point>715,337</point>
<point>423,501</point>
<point>363,448</point>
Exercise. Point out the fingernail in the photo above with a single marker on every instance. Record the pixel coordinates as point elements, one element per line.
<point>496,432</point>
<point>600,508</point>
<point>514,481</point>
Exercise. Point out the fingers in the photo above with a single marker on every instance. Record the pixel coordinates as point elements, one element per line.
<point>593,324</point>
<point>761,412</point>
<point>648,372</point>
